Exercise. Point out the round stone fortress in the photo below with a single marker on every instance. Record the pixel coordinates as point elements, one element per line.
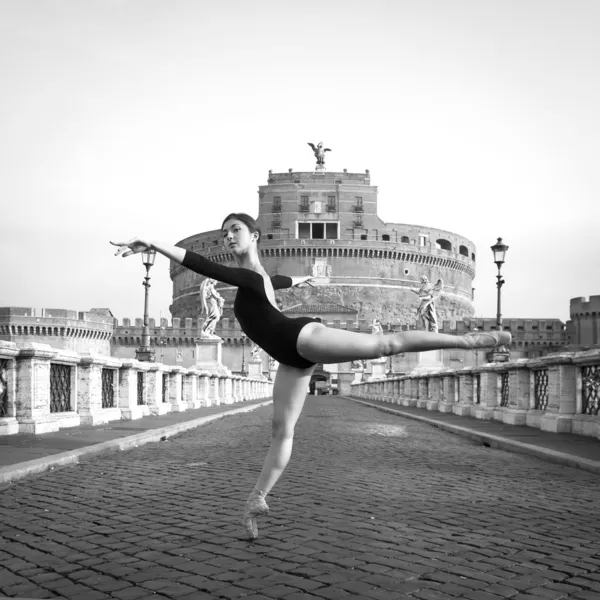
<point>325,224</point>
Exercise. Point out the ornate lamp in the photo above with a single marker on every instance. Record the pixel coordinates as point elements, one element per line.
<point>145,352</point>
<point>499,249</point>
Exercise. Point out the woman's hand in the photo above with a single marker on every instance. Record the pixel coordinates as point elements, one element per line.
<point>303,281</point>
<point>133,246</point>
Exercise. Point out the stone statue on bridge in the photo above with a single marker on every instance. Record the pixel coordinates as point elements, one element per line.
<point>255,351</point>
<point>428,293</point>
<point>212,308</point>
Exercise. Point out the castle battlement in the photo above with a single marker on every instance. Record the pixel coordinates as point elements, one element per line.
<point>584,307</point>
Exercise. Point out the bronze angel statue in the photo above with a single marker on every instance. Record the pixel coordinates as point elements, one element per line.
<point>212,308</point>
<point>319,152</point>
<point>427,296</point>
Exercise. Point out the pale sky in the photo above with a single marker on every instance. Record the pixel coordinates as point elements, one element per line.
<point>158,117</point>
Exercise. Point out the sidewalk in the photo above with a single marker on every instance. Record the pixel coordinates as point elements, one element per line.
<point>562,448</point>
<point>25,454</point>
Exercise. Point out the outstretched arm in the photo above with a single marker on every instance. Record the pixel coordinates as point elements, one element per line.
<point>209,268</point>
<point>137,245</point>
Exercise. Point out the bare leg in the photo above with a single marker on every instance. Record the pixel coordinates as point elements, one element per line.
<point>289,393</point>
<point>318,343</point>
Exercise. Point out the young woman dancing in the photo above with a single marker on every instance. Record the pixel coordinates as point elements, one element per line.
<point>298,344</point>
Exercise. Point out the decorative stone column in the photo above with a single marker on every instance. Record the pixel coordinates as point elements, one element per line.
<point>8,388</point>
<point>33,385</point>
<point>465,391</point>
<point>90,389</point>
<point>489,392</point>
<point>561,394</point>
<point>255,367</point>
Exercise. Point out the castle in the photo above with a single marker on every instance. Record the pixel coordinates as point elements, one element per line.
<point>323,224</point>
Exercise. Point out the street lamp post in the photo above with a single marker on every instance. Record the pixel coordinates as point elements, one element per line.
<point>390,329</point>
<point>145,352</point>
<point>499,249</point>
<point>244,356</point>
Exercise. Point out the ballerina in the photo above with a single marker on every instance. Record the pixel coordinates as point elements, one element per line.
<point>298,344</point>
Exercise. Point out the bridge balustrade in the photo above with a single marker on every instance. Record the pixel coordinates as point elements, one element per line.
<point>43,389</point>
<point>557,393</point>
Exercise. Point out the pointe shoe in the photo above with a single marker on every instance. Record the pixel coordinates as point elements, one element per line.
<point>255,506</point>
<point>487,339</point>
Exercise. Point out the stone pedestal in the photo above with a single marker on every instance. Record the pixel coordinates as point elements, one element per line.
<point>90,389</point>
<point>8,388</point>
<point>428,361</point>
<point>344,382</point>
<point>378,369</point>
<point>209,356</point>
<point>255,368</point>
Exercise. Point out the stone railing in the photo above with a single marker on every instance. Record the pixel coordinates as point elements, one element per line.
<point>558,393</point>
<point>43,389</point>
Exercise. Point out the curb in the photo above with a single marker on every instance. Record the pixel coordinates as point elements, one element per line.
<point>495,441</point>
<point>39,465</point>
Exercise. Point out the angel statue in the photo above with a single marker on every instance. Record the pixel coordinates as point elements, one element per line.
<point>427,296</point>
<point>212,308</point>
<point>255,351</point>
<point>319,152</point>
<point>376,328</point>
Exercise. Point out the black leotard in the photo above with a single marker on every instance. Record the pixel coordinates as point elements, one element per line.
<point>264,324</point>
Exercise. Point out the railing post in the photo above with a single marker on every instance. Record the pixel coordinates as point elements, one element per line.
<point>465,392</point>
<point>422,391</point>
<point>8,388</point>
<point>448,381</point>
<point>133,388</point>
<point>538,392</point>
<point>518,393</point>
<point>561,394</point>
<point>586,421</point>
<point>90,389</point>
<point>176,383</point>
<point>204,389</point>
<point>33,385</point>
<point>215,399</point>
<point>489,393</point>
<point>190,389</point>
<point>154,390</point>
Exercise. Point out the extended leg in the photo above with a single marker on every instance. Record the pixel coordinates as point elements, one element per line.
<point>289,393</point>
<point>318,343</point>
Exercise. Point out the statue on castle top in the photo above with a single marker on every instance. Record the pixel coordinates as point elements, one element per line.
<point>212,308</point>
<point>428,294</point>
<point>319,152</point>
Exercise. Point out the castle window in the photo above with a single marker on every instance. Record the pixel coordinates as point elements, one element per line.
<point>405,239</point>
<point>358,204</point>
<point>331,204</point>
<point>385,237</point>
<point>443,245</point>
<point>304,204</point>
<point>277,204</point>
<point>473,256</point>
<point>318,231</point>
<point>363,236</point>
<point>269,236</point>
<point>464,251</point>
<point>422,240</point>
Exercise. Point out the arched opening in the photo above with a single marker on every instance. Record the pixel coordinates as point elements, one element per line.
<point>405,239</point>
<point>464,251</point>
<point>385,237</point>
<point>444,244</point>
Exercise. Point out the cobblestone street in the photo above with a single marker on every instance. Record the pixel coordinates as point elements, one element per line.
<point>372,506</point>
